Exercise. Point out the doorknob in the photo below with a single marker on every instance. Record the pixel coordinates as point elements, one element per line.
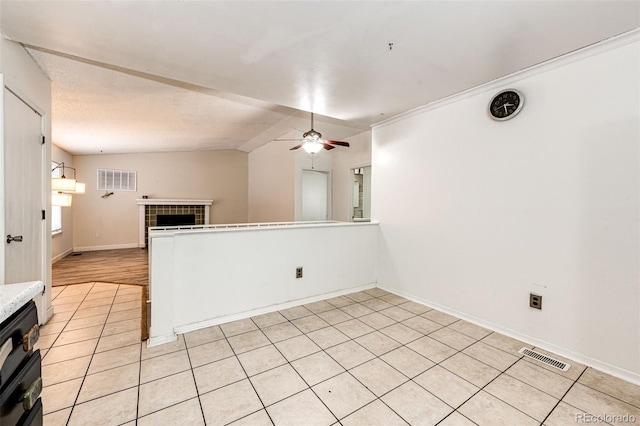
<point>17,239</point>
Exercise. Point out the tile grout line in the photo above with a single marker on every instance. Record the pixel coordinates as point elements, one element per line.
<point>58,335</point>
<point>67,321</point>
<point>323,350</point>
<point>376,397</point>
<point>378,357</point>
<point>73,406</point>
<point>520,358</point>
<point>454,409</point>
<point>89,366</point>
<point>139,381</point>
<point>584,384</point>
<point>457,375</point>
<point>235,354</point>
<point>303,333</point>
<point>565,394</point>
<point>491,381</point>
<point>443,326</point>
<point>290,321</point>
<point>56,339</point>
<point>411,379</point>
<point>354,340</point>
<point>195,383</point>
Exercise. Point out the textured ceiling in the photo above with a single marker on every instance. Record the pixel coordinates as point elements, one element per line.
<point>139,76</point>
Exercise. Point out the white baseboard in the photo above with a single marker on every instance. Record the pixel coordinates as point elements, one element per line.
<point>48,314</point>
<point>111,247</point>
<point>159,340</point>
<point>618,372</point>
<point>234,317</point>
<point>61,256</point>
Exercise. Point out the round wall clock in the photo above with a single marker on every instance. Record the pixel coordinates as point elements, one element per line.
<point>505,104</point>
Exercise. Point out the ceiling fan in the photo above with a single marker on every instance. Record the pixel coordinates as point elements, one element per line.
<point>312,141</point>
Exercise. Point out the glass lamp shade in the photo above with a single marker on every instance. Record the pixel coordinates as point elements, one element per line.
<point>63,184</point>
<point>80,187</point>
<point>60,199</point>
<point>312,147</point>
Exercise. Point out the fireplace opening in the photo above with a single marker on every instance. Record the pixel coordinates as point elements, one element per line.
<point>175,219</point>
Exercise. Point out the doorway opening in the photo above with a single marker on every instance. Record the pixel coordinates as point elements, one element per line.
<point>361,194</point>
<point>316,189</point>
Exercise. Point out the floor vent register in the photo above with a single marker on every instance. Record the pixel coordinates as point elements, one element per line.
<point>545,359</point>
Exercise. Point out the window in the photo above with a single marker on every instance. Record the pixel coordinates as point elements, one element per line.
<point>56,211</point>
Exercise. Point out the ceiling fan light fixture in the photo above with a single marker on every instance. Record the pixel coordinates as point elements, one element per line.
<point>312,141</point>
<point>312,135</point>
<point>312,146</point>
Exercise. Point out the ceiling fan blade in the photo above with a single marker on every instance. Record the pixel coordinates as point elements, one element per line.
<point>295,147</point>
<point>327,146</point>
<point>280,140</point>
<point>339,143</point>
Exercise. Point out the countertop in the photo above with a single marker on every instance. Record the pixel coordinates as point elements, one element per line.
<point>15,296</point>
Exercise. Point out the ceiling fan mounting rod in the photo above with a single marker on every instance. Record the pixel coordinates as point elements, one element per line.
<point>312,139</point>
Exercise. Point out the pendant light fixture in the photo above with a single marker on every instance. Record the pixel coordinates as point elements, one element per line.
<point>60,199</point>
<point>62,187</point>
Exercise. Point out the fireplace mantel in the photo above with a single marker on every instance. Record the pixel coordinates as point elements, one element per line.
<point>172,202</point>
<point>143,202</point>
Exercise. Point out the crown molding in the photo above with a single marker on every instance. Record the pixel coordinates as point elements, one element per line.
<point>508,80</point>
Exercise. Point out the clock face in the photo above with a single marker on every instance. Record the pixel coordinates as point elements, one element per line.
<point>506,104</point>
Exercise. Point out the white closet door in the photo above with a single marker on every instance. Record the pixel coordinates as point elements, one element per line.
<point>315,195</point>
<point>23,190</point>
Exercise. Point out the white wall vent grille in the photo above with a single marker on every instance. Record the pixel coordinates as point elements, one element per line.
<point>116,180</point>
<point>545,359</point>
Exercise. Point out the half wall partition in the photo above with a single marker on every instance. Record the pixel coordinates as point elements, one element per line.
<point>207,275</point>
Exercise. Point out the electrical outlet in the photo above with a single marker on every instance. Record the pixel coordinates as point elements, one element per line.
<point>535,301</point>
<point>299,272</point>
<point>97,235</point>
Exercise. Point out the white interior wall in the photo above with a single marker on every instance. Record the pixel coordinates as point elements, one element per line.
<point>323,162</point>
<point>62,243</point>
<point>113,222</point>
<point>476,214</point>
<point>366,181</point>
<point>275,178</point>
<point>345,159</point>
<point>271,182</point>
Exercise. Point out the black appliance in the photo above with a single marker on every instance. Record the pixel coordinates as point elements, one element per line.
<point>20,369</point>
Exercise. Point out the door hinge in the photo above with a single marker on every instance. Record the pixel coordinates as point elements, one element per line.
<point>43,139</point>
<point>44,214</point>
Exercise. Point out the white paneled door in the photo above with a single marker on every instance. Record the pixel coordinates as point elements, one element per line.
<point>315,195</point>
<point>23,190</point>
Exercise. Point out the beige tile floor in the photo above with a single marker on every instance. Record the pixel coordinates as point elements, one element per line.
<point>368,358</point>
